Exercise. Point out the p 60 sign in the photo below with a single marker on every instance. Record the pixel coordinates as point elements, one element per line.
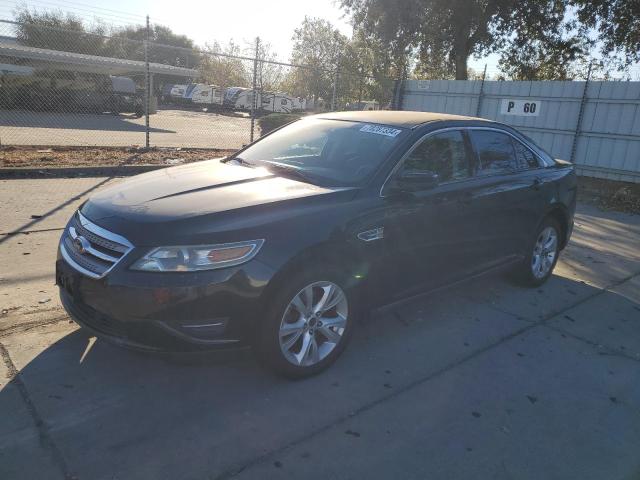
<point>522,108</point>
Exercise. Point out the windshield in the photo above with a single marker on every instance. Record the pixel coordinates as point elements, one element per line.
<point>331,151</point>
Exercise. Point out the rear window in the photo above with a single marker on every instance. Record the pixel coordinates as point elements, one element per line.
<point>545,157</point>
<point>495,152</point>
<point>526,158</point>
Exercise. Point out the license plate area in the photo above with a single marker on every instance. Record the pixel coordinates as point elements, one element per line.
<point>68,282</point>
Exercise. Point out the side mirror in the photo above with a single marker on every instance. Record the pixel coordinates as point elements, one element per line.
<point>415,180</point>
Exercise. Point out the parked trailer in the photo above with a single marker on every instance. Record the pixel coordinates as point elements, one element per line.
<point>300,104</point>
<point>207,95</point>
<point>176,94</point>
<point>231,96</point>
<point>276,102</point>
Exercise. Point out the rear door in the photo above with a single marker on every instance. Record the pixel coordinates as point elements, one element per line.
<point>507,195</point>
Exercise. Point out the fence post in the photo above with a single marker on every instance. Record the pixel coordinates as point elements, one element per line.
<point>576,135</point>
<point>360,86</point>
<point>255,94</point>
<point>335,86</point>
<point>481,93</point>
<point>147,87</point>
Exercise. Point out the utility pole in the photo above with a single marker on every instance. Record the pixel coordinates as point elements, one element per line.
<point>255,84</point>
<point>147,86</point>
<point>335,86</point>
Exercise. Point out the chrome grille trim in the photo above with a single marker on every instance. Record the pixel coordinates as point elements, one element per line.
<point>96,253</point>
<point>103,251</point>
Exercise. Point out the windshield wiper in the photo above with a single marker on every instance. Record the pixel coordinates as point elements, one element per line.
<point>240,161</point>
<point>290,170</point>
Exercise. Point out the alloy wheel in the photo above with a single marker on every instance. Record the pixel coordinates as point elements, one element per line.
<point>313,323</point>
<point>544,252</point>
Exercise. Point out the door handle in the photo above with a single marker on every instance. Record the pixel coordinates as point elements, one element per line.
<point>537,183</point>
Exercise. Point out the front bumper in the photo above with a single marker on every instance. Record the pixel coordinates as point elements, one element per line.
<point>168,312</point>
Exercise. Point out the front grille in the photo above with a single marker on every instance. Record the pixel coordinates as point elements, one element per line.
<point>90,249</point>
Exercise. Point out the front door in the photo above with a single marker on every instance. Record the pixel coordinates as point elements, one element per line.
<point>432,234</point>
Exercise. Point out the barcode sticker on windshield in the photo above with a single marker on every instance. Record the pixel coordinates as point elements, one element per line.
<point>379,130</point>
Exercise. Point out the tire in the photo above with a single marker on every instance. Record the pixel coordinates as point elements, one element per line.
<point>537,266</point>
<point>283,314</point>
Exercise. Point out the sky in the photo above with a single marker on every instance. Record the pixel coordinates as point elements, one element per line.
<point>206,21</point>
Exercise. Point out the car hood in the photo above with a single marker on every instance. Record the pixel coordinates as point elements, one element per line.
<point>174,195</point>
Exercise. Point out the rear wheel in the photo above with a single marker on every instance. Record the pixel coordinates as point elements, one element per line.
<point>542,256</point>
<point>309,324</point>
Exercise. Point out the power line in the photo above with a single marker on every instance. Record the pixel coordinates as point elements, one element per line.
<point>86,14</point>
<point>119,12</point>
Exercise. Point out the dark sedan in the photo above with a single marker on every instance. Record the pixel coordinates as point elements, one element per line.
<point>284,244</point>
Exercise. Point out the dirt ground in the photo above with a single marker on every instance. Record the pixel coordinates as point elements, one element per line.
<point>38,157</point>
<point>609,194</point>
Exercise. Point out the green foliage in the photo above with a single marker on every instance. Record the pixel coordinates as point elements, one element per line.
<point>65,32</point>
<point>361,66</point>
<point>59,31</point>
<point>617,23</point>
<point>549,60</point>
<point>445,33</point>
<point>276,120</point>
<point>166,47</point>
<point>319,45</point>
<point>225,71</point>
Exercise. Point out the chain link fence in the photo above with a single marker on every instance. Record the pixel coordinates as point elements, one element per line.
<point>60,87</point>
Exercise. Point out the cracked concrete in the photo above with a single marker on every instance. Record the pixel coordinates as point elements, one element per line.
<point>484,380</point>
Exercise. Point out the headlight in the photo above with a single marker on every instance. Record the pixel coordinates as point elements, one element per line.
<point>199,257</point>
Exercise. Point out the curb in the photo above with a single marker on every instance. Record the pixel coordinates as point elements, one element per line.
<point>71,172</point>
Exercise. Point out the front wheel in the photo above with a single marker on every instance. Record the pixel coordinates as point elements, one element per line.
<point>309,324</point>
<point>542,256</point>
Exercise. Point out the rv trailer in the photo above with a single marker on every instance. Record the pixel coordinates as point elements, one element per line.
<point>207,95</point>
<point>231,96</point>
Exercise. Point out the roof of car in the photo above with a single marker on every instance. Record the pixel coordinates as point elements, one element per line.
<point>395,118</point>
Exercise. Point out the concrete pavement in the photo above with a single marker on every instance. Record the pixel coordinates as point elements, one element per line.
<point>484,380</point>
<point>168,128</point>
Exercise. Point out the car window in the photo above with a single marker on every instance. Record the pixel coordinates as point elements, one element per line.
<point>443,154</point>
<point>336,151</point>
<point>495,152</point>
<point>526,158</point>
<point>544,156</point>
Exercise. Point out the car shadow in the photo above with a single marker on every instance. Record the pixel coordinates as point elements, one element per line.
<point>112,411</point>
<point>75,121</point>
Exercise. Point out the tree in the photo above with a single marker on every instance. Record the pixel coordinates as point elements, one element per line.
<point>269,75</point>
<point>453,30</point>
<point>370,70</point>
<point>223,70</point>
<point>56,30</point>
<point>617,24</point>
<point>318,45</point>
<point>434,64</point>
<point>165,46</point>
<point>535,60</point>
